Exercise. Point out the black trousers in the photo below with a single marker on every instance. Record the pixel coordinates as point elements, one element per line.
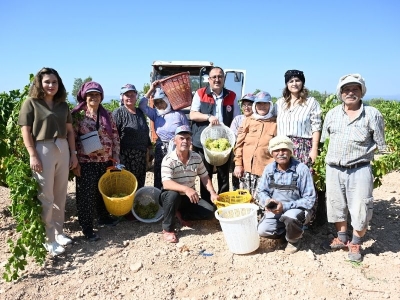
<point>222,176</point>
<point>88,197</point>
<point>172,202</point>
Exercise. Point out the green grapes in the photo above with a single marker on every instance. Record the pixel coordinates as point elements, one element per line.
<point>217,145</point>
<point>148,211</point>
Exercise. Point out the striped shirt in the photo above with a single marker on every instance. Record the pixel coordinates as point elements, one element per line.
<point>353,141</point>
<point>300,120</point>
<point>173,169</point>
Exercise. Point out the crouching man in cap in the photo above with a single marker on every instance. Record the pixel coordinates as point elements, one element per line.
<point>179,169</point>
<point>286,192</point>
<point>355,132</point>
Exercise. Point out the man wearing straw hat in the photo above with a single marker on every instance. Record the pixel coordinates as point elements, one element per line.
<point>213,105</point>
<point>286,192</point>
<point>179,198</point>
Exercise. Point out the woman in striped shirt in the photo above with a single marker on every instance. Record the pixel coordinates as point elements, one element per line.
<point>299,117</point>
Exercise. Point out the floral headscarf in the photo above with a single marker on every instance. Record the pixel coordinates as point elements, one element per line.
<point>81,97</point>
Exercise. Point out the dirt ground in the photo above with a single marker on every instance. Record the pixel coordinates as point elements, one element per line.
<point>131,261</point>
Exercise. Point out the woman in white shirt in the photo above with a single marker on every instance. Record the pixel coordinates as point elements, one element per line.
<point>299,117</point>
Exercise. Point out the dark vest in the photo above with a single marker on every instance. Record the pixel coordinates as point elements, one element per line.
<point>207,106</point>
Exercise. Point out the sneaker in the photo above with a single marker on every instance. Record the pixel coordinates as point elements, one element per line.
<point>108,221</point>
<point>292,247</point>
<point>334,244</point>
<point>63,240</point>
<point>354,252</point>
<point>54,248</point>
<point>92,237</point>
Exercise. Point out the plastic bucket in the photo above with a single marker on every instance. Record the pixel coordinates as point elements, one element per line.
<point>239,225</point>
<point>215,132</point>
<point>144,196</point>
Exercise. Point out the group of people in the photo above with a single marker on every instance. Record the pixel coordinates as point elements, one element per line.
<point>277,143</point>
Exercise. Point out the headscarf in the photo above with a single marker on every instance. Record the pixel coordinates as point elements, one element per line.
<point>159,94</point>
<point>82,105</point>
<point>168,109</point>
<point>294,73</point>
<point>265,98</point>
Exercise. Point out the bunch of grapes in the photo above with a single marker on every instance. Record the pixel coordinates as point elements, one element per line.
<point>217,145</point>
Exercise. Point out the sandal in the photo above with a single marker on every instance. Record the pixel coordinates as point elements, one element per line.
<point>170,237</point>
<point>182,221</point>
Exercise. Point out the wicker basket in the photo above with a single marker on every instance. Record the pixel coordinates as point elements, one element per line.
<point>235,197</point>
<point>115,182</point>
<point>215,132</point>
<point>144,196</point>
<point>178,90</point>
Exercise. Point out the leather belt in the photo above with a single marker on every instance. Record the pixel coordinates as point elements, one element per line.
<point>355,166</point>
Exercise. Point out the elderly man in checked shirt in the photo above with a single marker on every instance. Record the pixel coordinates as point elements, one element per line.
<point>355,131</point>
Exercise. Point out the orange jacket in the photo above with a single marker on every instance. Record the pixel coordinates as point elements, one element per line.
<point>251,150</point>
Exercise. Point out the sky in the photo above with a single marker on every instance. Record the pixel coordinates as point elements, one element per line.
<point>115,42</point>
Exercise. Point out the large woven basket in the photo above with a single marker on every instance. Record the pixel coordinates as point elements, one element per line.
<point>116,182</point>
<point>216,158</point>
<point>178,90</point>
<point>234,197</point>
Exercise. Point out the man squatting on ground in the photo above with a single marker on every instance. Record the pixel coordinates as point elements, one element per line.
<point>355,131</point>
<point>287,192</point>
<point>179,169</point>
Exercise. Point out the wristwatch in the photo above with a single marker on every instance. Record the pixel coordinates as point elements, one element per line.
<point>209,116</point>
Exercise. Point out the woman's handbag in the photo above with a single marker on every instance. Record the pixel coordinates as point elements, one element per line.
<point>91,141</point>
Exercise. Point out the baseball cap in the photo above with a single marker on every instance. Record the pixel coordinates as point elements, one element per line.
<point>183,129</point>
<point>127,87</point>
<point>248,97</point>
<point>159,94</point>
<point>262,97</point>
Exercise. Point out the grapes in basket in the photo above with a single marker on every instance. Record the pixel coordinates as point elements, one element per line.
<point>217,145</point>
<point>147,211</point>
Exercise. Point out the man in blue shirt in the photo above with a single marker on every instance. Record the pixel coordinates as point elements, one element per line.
<point>286,192</point>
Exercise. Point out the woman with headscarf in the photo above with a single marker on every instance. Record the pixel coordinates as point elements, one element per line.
<point>166,120</point>
<point>251,150</point>
<point>299,117</point>
<point>246,104</point>
<point>134,134</point>
<point>46,126</point>
<point>90,116</point>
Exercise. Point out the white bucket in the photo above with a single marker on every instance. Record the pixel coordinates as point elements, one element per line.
<point>239,225</point>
